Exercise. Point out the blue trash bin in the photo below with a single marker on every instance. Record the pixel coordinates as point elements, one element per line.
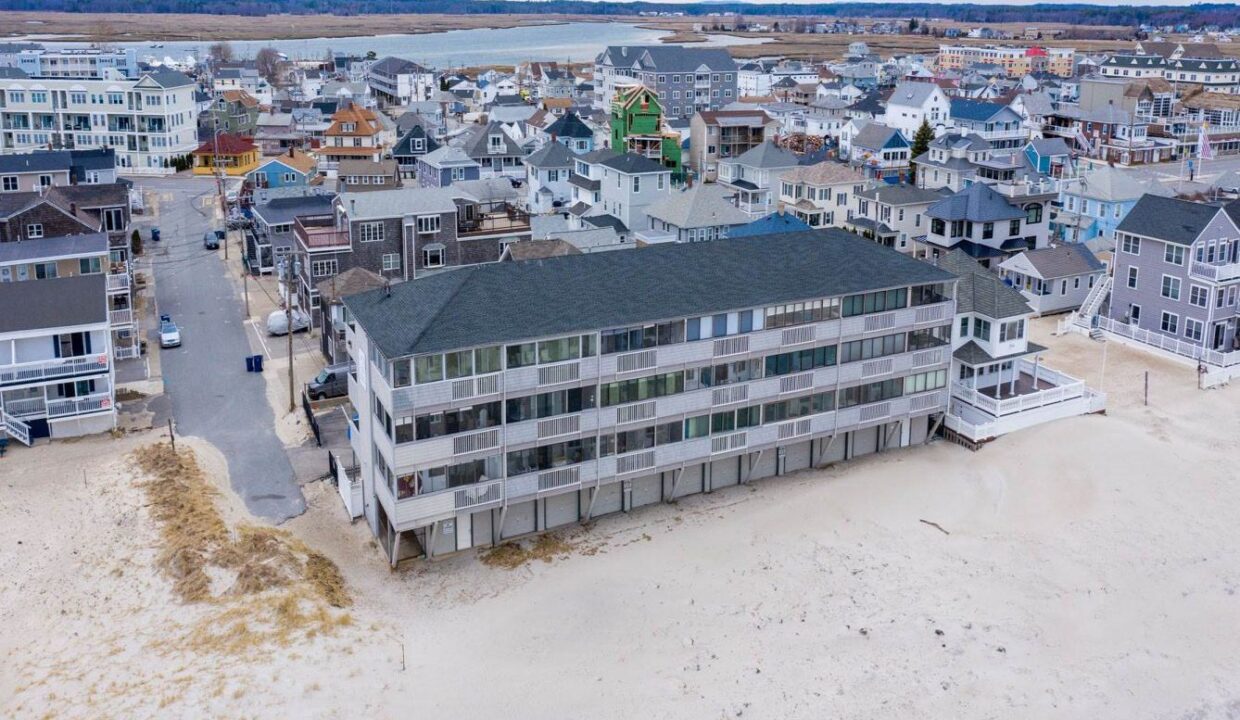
<point>249,363</point>
<point>258,363</point>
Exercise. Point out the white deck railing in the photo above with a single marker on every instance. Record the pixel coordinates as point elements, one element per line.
<point>1219,273</point>
<point>53,368</point>
<point>1170,344</point>
<point>120,317</point>
<point>65,407</point>
<point>1065,388</point>
<point>118,281</point>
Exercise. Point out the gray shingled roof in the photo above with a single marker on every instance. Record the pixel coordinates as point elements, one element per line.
<point>978,203</point>
<point>912,94</point>
<point>283,210</point>
<point>507,302</point>
<point>55,303</point>
<point>1063,261</point>
<point>1168,219</point>
<point>64,246</point>
<point>633,164</point>
<point>981,291</point>
<point>767,155</point>
<point>972,354</point>
<point>670,58</point>
<point>551,155</point>
<point>40,161</point>
<point>901,194</point>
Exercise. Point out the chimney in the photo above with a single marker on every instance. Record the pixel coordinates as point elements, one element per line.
<point>73,208</point>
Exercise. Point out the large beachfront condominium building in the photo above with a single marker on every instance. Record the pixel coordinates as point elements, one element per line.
<point>38,61</point>
<point>687,80</point>
<point>1016,62</point>
<point>148,120</point>
<point>505,399</point>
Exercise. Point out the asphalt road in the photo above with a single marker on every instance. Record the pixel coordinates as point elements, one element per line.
<point>213,397</point>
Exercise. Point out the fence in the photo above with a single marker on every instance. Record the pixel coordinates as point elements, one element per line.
<point>310,417</point>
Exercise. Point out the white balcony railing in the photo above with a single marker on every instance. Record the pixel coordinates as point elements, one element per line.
<point>55,368</point>
<point>65,407</point>
<point>1218,273</point>
<point>1170,344</point>
<point>118,318</point>
<point>1066,388</point>
<point>118,282</point>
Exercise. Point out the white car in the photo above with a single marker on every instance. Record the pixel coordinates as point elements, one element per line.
<point>169,333</point>
<point>278,322</point>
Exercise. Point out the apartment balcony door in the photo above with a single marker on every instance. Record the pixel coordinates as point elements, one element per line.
<point>1218,338</point>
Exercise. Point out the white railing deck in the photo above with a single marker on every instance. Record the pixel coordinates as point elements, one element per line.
<point>1218,272</point>
<point>1065,388</point>
<point>120,317</point>
<point>1170,344</point>
<point>65,407</point>
<point>52,368</point>
<point>118,281</point>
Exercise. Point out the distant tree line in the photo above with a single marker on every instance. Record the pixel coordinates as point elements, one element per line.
<point>1223,15</point>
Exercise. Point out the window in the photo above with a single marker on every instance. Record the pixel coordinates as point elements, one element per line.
<point>1173,254</point>
<point>432,256</point>
<point>9,183</point>
<point>391,262</point>
<point>660,178</point>
<point>937,227</point>
<point>1134,313</point>
<point>559,350</point>
<point>1170,322</point>
<point>645,336</point>
<point>1014,330</point>
<point>964,327</point>
<point>370,231</point>
<point>872,348</point>
<point>1014,227</point>
<point>637,183</point>
<point>981,329</point>
<point>1132,276</point>
<point>1192,329</point>
<point>428,224</point>
<point>522,355</point>
<point>643,388</point>
<point>34,230</point>
<point>1131,245</point>
<point>1171,287</point>
<point>871,393</point>
<point>550,404</point>
<point>113,219</point>
<point>458,420</point>
<point>323,268</point>
<point>988,230</point>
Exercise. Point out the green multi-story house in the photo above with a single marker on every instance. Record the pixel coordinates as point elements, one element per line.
<point>637,127</point>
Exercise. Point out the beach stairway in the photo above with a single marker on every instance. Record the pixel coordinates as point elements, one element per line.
<point>1083,318</point>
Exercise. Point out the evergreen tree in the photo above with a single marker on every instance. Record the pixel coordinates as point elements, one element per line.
<point>921,144</point>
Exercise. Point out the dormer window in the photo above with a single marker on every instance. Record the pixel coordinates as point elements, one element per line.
<point>496,144</point>
<point>348,127</point>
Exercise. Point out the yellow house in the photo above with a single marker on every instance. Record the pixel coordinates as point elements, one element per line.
<point>237,156</point>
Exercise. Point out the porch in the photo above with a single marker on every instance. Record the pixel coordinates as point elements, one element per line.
<point>1004,397</point>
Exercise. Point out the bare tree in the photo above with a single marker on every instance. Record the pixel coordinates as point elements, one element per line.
<point>269,65</point>
<point>220,52</point>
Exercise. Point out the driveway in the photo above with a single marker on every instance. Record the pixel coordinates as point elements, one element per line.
<point>213,397</point>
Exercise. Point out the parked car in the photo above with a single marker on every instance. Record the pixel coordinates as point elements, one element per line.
<point>332,382</point>
<point>210,240</point>
<point>278,322</point>
<point>169,333</point>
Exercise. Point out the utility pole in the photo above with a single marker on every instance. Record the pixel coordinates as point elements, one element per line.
<point>219,178</point>
<point>288,316</point>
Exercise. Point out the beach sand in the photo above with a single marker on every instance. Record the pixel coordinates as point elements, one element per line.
<point>1083,569</point>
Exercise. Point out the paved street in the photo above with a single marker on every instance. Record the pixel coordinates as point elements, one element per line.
<point>212,395</point>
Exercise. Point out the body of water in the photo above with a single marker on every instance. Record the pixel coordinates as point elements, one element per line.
<point>575,42</point>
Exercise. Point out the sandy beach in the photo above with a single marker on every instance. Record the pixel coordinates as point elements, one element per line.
<point>1080,569</point>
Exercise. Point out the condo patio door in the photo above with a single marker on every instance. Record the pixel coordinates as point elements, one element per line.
<point>1220,334</point>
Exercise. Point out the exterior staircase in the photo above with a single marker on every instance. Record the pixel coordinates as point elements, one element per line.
<point>15,428</point>
<point>1083,318</point>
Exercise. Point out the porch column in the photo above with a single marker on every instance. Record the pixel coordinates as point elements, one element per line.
<point>1037,361</point>
<point>1015,374</point>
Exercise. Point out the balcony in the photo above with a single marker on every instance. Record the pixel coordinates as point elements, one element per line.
<point>54,368</point>
<point>1036,394</point>
<point>1221,272</point>
<point>319,232</point>
<point>118,282</point>
<point>64,407</point>
<point>500,219</point>
<point>422,510</point>
<point>120,318</point>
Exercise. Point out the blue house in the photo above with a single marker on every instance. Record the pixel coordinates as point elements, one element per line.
<point>292,169</point>
<point>1049,156</point>
<point>446,165</point>
<point>1095,203</point>
<point>776,222</point>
